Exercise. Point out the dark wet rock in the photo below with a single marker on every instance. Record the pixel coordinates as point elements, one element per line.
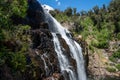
<point>5,73</point>
<point>43,60</point>
<point>64,45</point>
<point>55,76</point>
<point>66,75</point>
<point>41,38</point>
<point>44,25</point>
<point>42,53</point>
<point>35,14</point>
<point>67,53</point>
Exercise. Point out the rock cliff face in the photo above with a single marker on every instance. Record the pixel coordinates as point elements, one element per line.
<point>41,58</point>
<point>42,52</point>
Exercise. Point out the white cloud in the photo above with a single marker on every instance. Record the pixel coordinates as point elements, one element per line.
<point>59,3</point>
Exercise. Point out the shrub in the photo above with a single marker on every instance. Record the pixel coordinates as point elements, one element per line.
<point>112,58</point>
<point>118,66</point>
<point>18,61</point>
<point>118,36</point>
<point>94,43</point>
<point>111,69</point>
<point>116,54</point>
<point>19,7</point>
<point>91,48</point>
<point>103,44</point>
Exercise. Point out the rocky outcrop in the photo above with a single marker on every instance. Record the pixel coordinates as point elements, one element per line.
<point>100,65</point>
<point>68,25</point>
<point>41,53</point>
<point>98,68</point>
<point>35,14</point>
<point>72,26</point>
<point>55,76</point>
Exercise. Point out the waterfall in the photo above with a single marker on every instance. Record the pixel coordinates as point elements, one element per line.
<point>64,64</point>
<point>67,69</point>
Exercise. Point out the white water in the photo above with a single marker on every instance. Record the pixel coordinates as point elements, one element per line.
<point>63,61</point>
<point>75,49</point>
<point>42,57</point>
<point>46,67</point>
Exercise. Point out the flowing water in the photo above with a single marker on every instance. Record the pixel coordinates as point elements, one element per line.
<point>63,61</point>
<point>75,50</point>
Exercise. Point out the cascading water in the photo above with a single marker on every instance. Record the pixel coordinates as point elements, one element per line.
<point>64,64</point>
<point>75,50</point>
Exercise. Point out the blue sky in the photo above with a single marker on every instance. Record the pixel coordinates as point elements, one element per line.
<point>79,4</point>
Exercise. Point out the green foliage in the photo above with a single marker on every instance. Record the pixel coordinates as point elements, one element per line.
<point>87,26</point>
<point>96,9</point>
<point>112,59</point>
<point>103,38</point>
<point>1,35</point>
<point>16,59</point>
<point>19,7</point>
<point>68,11</point>
<point>98,23</point>
<point>115,56</point>
<point>102,24</point>
<point>118,67</point>
<point>62,17</point>
<point>118,36</point>
<point>91,48</point>
<point>102,44</point>
<point>111,69</point>
<point>53,13</point>
<point>9,8</point>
